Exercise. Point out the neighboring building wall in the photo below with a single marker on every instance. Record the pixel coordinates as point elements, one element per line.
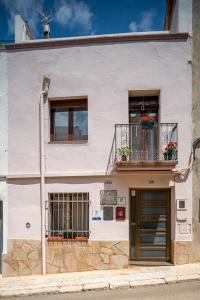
<point>196,128</point>
<point>22,30</point>
<point>4,141</point>
<point>175,20</point>
<point>182,16</point>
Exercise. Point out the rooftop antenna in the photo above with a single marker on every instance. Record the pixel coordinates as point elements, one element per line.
<point>46,19</point>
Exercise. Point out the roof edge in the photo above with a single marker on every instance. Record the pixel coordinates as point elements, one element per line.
<point>96,40</point>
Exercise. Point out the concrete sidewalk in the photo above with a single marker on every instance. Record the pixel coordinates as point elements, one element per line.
<point>94,280</point>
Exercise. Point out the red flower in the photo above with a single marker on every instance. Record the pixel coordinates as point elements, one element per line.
<point>145,118</point>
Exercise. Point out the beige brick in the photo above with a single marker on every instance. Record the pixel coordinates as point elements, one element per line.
<point>93,259</point>
<point>122,247</point>
<point>181,259</point>
<point>179,249</point>
<point>118,261</point>
<point>105,258</point>
<point>106,251</point>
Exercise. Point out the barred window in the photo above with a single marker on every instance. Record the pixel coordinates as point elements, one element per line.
<point>68,215</point>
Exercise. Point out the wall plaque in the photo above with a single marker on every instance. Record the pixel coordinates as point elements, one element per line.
<point>120,213</point>
<point>108,213</point>
<point>96,215</point>
<point>121,200</point>
<point>108,197</point>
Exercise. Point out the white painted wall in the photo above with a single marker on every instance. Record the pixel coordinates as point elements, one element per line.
<point>24,202</point>
<point>23,207</point>
<point>4,141</point>
<point>105,73</point>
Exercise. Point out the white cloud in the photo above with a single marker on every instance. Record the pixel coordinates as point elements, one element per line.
<point>73,13</point>
<point>133,26</point>
<point>28,9</point>
<point>145,23</point>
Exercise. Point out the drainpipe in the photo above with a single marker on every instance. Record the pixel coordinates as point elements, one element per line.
<point>43,97</point>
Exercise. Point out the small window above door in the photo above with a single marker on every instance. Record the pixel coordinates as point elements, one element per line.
<point>141,106</point>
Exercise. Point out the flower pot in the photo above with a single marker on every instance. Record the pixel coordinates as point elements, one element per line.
<point>81,238</point>
<point>124,158</point>
<point>168,155</point>
<point>147,125</point>
<point>69,235</point>
<point>55,238</point>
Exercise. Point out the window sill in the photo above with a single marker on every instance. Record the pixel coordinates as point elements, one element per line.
<point>69,142</point>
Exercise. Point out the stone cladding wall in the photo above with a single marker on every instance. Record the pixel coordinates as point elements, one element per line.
<point>24,256</point>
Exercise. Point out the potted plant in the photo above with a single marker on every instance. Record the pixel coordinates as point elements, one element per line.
<point>170,151</point>
<point>124,151</point>
<point>69,234</point>
<point>147,122</point>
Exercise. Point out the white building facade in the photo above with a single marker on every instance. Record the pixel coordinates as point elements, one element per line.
<point>99,153</point>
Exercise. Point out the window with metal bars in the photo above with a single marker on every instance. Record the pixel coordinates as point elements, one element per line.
<point>68,215</point>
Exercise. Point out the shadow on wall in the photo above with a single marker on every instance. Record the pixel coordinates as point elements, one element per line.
<point>184,173</point>
<point>24,181</point>
<point>74,180</point>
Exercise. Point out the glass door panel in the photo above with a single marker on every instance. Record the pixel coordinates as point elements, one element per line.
<point>143,140</point>
<point>150,232</point>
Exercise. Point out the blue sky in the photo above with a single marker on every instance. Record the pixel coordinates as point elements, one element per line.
<point>83,17</point>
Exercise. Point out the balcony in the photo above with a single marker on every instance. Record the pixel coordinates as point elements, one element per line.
<point>144,147</point>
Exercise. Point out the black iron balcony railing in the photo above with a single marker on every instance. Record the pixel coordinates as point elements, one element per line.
<point>144,143</point>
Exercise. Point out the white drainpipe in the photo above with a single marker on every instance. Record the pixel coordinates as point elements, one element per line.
<point>43,97</point>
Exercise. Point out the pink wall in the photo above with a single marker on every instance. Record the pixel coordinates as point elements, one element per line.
<point>104,73</point>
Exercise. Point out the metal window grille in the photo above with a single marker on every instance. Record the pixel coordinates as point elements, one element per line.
<point>68,215</point>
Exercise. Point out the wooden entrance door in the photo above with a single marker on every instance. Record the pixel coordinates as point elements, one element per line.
<point>150,225</point>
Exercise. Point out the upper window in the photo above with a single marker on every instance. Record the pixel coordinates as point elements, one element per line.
<point>69,120</point>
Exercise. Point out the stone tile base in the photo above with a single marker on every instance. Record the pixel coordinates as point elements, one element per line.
<point>86,256</point>
<point>182,252</point>
<point>24,256</point>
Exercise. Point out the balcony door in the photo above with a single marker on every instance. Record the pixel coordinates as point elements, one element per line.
<point>143,139</point>
<point>150,225</point>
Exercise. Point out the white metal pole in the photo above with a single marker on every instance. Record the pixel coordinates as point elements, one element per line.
<point>42,182</point>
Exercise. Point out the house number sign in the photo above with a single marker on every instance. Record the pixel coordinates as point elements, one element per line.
<point>108,197</point>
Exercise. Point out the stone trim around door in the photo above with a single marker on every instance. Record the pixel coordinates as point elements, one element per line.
<point>24,256</point>
<point>182,252</point>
